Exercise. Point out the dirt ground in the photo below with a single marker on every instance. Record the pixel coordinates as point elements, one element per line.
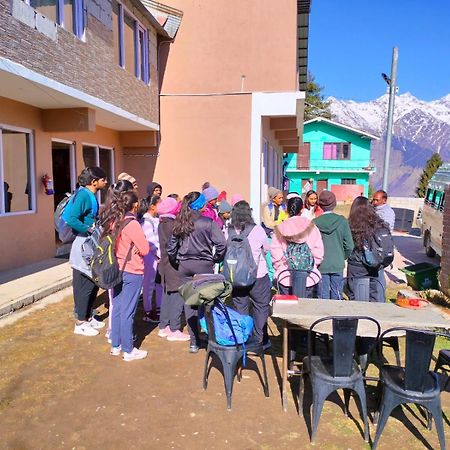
<point>59,390</point>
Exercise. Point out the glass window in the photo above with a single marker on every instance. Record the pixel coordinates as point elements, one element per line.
<point>16,183</point>
<point>103,157</point>
<point>116,32</point>
<point>48,8</point>
<point>68,17</point>
<point>143,55</point>
<point>128,43</point>
<point>430,193</point>
<point>336,150</point>
<point>348,181</point>
<point>437,199</point>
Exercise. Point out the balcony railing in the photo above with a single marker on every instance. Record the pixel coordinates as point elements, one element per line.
<point>341,165</point>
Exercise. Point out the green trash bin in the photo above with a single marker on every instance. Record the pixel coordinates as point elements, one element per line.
<point>422,276</point>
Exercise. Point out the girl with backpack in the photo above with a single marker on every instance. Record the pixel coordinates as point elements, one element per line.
<point>366,226</point>
<point>297,244</point>
<point>196,244</point>
<point>131,247</point>
<point>150,223</point>
<point>259,293</point>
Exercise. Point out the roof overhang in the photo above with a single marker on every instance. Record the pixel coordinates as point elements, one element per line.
<point>26,86</point>
<point>362,134</point>
<point>151,18</point>
<point>169,18</point>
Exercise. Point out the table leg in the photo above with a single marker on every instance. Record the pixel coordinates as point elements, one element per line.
<point>285,365</point>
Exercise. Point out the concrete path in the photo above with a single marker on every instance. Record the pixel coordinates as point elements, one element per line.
<point>25,285</point>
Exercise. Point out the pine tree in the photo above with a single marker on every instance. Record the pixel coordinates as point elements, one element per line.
<point>433,164</point>
<point>315,105</point>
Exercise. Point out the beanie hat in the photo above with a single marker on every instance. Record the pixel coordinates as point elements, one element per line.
<point>222,196</point>
<point>292,195</point>
<point>236,198</point>
<point>152,186</point>
<point>327,200</point>
<point>224,207</point>
<point>210,193</point>
<point>273,192</point>
<point>167,206</point>
<point>127,177</point>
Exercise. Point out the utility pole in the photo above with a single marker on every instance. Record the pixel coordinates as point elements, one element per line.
<point>392,82</point>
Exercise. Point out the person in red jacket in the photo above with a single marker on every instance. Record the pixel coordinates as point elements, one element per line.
<point>131,247</point>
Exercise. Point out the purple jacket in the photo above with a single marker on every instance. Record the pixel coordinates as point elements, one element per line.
<point>212,214</point>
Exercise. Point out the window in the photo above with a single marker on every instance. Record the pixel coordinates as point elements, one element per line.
<point>94,155</point>
<point>69,14</point>
<point>348,181</point>
<point>132,42</point>
<point>17,191</point>
<point>336,150</point>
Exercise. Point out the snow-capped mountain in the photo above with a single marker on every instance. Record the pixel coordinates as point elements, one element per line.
<point>420,129</point>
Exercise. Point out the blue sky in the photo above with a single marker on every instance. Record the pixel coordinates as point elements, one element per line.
<point>351,41</point>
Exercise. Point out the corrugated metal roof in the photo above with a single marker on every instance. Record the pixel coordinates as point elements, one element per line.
<point>170,18</point>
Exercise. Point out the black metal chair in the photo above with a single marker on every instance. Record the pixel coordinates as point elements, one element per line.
<point>414,383</point>
<point>361,291</point>
<point>230,356</point>
<point>443,360</point>
<point>339,371</point>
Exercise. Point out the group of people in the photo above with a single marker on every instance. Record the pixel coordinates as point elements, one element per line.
<point>162,242</point>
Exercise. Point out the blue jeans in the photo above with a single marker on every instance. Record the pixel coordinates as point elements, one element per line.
<point>125,299</point>
<point>332,285</point>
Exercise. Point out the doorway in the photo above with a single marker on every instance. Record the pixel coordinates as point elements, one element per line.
<point>321,185</point>
<point>64,181</point>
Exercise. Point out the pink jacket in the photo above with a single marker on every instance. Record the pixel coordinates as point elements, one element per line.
<point>132,233</point>
<point>296,229</point>
<point>212,214</point>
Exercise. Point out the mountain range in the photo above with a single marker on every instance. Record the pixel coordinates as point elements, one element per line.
<point>420,129</point>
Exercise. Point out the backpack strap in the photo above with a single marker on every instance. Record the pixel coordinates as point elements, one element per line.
<point>122,225</point>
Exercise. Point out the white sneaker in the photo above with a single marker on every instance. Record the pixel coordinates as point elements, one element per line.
<point>96,324</point>
<point>85,329</point>
<point>164,332</point>
<point>134,354</point>
<point>115,351</point>
<point>178,336</point>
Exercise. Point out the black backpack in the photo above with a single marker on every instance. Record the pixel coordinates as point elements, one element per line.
<point>379,251</point>
<point>239,266</point>
<point>106,272</point>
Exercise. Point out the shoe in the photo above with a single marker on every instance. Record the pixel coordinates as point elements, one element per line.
<point>164,332</point>
<point>115,351</point>
<point>85,329</point>
<point>193,348</point>
<point>151,316</point>
<point>96,324</point>
<point>134,354</point>
<point>178,336</point>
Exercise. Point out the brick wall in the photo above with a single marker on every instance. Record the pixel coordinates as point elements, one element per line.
<point>445,258</point>
<point>88,66</point>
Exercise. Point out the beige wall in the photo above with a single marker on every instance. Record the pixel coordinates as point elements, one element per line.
<point>205,139</point>
<point>220,40</point>
<point>34,236</point>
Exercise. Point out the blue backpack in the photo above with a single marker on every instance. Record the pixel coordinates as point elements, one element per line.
<point>65,233</point>
<point>231,328</point>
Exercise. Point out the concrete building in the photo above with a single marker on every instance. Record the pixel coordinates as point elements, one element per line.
<point>232,95</point>
<point>333,156</point>
<point>78,87</point>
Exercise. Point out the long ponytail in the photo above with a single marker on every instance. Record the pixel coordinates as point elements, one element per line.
<point>120,204</point>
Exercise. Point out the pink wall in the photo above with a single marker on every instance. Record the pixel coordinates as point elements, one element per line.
<point>205,139</point>
<point>347,192</point>
<point>220,40</point>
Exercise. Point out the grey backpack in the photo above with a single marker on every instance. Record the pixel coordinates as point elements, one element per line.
<point>239,266</point>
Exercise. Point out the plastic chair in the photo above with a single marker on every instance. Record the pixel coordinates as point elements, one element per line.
<point>339,371</point>
<point>414,383</point>
<point>229,356</point>
<point>361,287</point>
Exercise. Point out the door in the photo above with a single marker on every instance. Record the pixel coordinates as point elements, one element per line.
<point>303,156</point>
<point>64,172</point>
<point>321,185</point>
